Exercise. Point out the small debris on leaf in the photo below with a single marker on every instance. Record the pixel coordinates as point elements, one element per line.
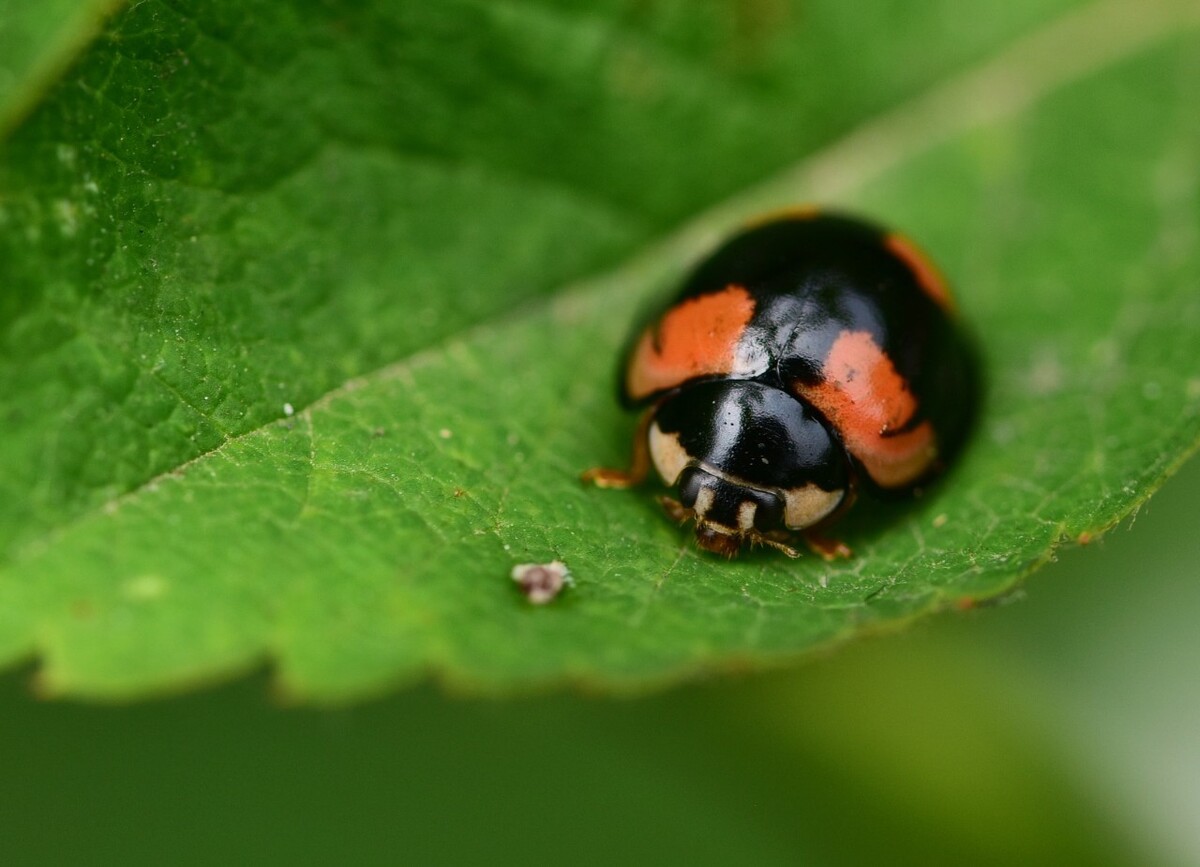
<point>541,582</point>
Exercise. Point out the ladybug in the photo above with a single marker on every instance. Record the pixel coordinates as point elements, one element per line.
<point>811,358</point>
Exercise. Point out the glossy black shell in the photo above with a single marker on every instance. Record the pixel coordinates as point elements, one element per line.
<point>756,433</point>
<point>815,277</point>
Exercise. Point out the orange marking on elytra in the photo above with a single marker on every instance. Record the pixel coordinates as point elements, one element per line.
<point>869,402</point>
<point>697,337</point>
<point>928,277</point>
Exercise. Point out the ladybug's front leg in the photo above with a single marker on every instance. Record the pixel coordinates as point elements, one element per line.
<point>639,464</point>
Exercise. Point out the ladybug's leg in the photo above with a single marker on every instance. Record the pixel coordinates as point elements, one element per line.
<point>676,510</point>
<point>826,547</point>
<point>778,541</point>
<point>639,464</point>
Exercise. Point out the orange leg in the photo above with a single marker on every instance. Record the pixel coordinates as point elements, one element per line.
<point>639,464</point>
<point>826,547</point>
<point>676,510</point>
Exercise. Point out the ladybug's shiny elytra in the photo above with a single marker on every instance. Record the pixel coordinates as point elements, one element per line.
<point>811,357</point>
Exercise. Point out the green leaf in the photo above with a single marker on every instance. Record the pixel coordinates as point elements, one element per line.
<point>983,740</point>
<point>36,41</point>
<point>301,359</point>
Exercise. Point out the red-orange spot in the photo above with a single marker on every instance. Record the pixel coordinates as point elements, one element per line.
<point>928,277</point>
<point>869,402</point>
<point>698,337</point>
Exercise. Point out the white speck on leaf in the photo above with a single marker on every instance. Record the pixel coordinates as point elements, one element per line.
<point>288,409</point>
<point>541,582</point>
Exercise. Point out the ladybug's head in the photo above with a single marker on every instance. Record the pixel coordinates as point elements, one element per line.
<point>749,462</point>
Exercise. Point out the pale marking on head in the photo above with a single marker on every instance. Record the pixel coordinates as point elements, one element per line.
<point>669,456</point>
<point>746,514</point>
<point>803,506</point>
<point>807,505</point>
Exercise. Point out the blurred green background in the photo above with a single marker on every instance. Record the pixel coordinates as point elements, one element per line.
<point>1056,729</point>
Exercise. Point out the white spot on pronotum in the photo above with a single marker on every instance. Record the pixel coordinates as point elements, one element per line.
<point>668,454</point>
<point>541,582</point>
<point>288,409</point>
<point>445,433</point>
<point>806,505</point>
